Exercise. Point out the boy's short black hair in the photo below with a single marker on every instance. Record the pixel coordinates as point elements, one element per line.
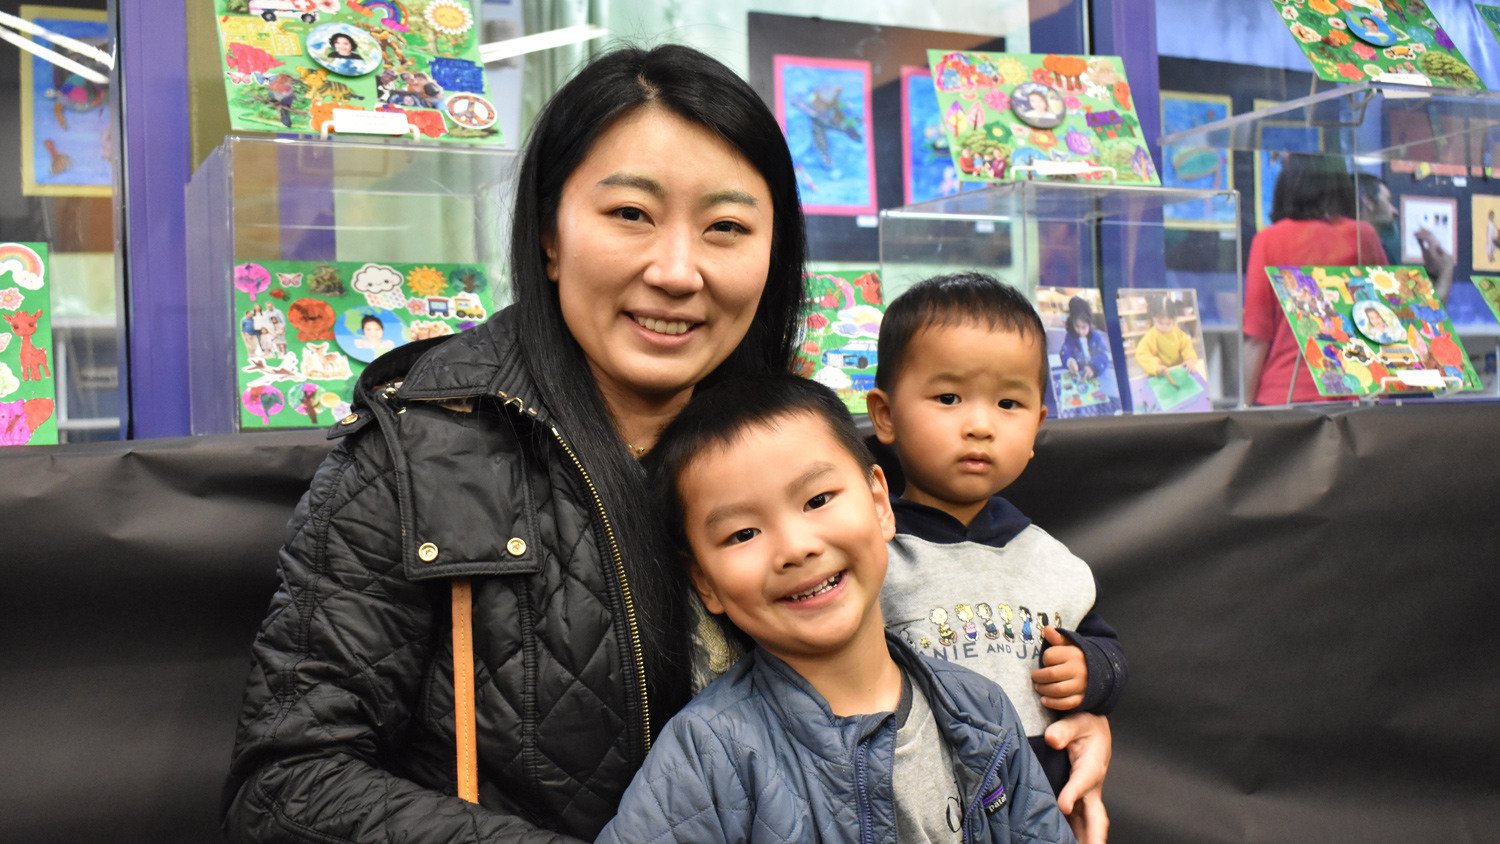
<point>718,415</point>
<point>969,298</point>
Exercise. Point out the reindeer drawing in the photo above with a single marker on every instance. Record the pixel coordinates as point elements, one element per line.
<point>33,359</point>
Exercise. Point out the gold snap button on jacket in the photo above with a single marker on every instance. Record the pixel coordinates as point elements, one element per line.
<point>427,552</point>
<point>516,546</point>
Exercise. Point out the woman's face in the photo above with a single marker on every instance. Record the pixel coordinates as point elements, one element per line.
<point>343,44</point>
<point>660,254</point>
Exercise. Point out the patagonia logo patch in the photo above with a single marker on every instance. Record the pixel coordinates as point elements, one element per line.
<point>995,800</point>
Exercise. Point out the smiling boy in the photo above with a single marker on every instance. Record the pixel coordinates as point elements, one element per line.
<point>828,730</point>
<point>959,395</point>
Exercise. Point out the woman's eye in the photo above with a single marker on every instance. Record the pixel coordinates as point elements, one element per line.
<point>743,535</point>
<point>948,398</point>
<point>728,227</point>
<point>819,500</point>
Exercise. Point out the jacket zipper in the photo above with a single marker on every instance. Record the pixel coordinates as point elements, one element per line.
<point>619,563</point>
<point>979,794</point>
<point>866,822</point>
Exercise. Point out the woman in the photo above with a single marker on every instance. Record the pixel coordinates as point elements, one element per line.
<point>1312,224</point>
<point>657,244</point>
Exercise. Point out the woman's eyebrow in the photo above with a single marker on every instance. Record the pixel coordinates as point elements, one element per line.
<point>737,197</point>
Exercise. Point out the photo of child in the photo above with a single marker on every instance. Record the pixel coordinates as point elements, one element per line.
<point>1163,344</point>
<point>1082,379</point>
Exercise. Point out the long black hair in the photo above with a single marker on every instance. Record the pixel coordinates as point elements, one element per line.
<point>703,91</point>
<point>1313,187</point>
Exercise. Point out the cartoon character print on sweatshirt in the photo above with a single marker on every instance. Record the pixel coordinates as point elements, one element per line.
<point>1018,633</point>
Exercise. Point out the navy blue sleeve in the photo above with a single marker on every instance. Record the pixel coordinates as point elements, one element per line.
<point>1105,660</point>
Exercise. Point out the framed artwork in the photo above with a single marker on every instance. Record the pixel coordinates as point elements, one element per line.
<point>66,137</point>
<point>1484,214</point>
<point>1356,40</point>
<point>28,388</point>
<point>838,342</point>
<point>305,330</point>
<point>1200,168</point>
<point>1489,290</point>
<point>296,65</point>
<point>1081,374</point>
<point>1162,337</point>
<point>927,170</point>
<point>824,108</point>
<point>1435,214</point>
<point>1010,116</point>
<point>1372,330</point>
<point>1274,139</point>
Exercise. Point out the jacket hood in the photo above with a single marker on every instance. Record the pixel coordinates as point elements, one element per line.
<point>998,523</point>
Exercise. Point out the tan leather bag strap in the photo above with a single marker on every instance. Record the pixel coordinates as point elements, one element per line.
<point>463,689</point>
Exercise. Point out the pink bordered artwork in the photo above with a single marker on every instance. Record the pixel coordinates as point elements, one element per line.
<point>824,108</point>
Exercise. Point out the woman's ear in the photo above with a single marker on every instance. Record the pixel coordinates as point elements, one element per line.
<point>878,405</point>
<point>549,249</point>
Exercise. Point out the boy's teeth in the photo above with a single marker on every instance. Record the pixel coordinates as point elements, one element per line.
<point>661,326</point>
<point>831,582</point>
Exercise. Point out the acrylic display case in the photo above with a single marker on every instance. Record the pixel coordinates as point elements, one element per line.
<point>1112,239</point>
<point>1437,150</point>
<point>334,238</point>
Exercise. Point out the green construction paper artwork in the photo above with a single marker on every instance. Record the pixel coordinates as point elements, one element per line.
<point>1372,330</point>
<point>1489,290</point>
<point>837,348</point>
<point>1491,15</point>
<point>28,390</point>
<point>1015,116</point>
<point>289,64</point>
<point>306,329</point>
<point>1359,40</point>
<point>1174,388</point>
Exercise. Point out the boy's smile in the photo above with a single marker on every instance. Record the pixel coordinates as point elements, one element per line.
<point>963,414</point>
<point>789,534</point>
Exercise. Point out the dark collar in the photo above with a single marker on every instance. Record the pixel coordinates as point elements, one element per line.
<point>998,523</point>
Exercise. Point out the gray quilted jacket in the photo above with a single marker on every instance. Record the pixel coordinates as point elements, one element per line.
<point>759,757</point>
<point>346,732</point>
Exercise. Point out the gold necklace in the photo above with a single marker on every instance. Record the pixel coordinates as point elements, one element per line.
<point>638,451</point>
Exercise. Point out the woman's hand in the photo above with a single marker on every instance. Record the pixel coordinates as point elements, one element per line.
<point>1089,744</point>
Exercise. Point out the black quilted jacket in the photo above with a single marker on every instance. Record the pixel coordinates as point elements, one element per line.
<point>346,733</point>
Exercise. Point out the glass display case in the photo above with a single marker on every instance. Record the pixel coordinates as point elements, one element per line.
<point>1424,159</point>
<point>306,259</point>
<point>1056,241</point>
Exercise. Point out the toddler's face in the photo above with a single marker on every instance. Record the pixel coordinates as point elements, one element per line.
<point>788,536</point>
<point>963,414</point>
<point>1163,322</point>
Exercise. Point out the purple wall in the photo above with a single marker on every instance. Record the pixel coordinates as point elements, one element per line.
<point>153,83</point>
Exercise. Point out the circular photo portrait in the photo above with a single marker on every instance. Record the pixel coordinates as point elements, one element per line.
<point>1378,323</point>
<point>367,333</point>
<point>1038,105</point>
<point>1369,28</point>
<point>343,48</point>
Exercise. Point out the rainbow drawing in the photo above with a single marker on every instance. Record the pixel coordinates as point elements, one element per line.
<point>394,12</point>
<point>18,256</point>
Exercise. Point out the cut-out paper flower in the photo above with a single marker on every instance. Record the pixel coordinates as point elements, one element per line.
<point>449,17</point>
<point>10,298</point>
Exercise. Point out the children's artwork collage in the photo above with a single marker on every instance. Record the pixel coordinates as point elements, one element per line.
<point>1379,40</point>
<point>307,329</point>
<point>28,390</point>
<point>1372,330</point>
<point>839,333</point>
<point>290,65</point>
<point>1015,116</point>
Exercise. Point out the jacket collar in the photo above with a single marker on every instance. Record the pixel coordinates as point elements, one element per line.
<point>483,361</point>
<point>998,523</point>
